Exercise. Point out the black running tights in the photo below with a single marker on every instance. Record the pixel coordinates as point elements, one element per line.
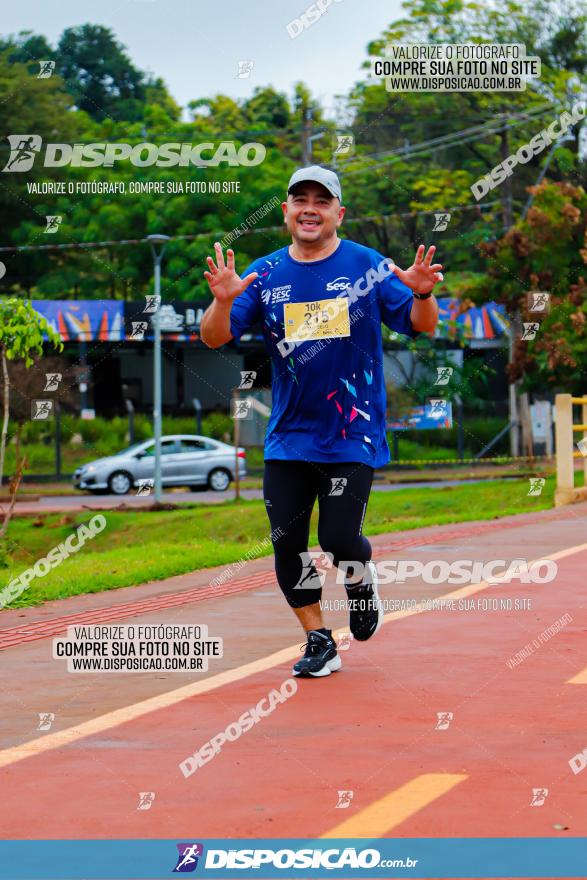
<point>290,489</point>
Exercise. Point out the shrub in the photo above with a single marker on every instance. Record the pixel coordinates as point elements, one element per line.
<point>216,425</point>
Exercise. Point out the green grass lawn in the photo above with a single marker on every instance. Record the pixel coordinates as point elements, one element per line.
<point>140,545</point>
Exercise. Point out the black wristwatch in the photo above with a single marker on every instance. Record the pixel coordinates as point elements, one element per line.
<point>422,295</point>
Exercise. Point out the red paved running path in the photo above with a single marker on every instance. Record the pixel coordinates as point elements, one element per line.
<point>369,728</point>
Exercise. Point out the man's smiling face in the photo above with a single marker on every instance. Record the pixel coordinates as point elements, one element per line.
<point>312,215</point>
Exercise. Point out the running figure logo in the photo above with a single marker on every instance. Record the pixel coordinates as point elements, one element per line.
<point>241,408</point>
<point>344,145</point>
<point>530,330</point>
<point>46,719</point>
<point>47,68</point>
<point>536,485</point>
<point>53,222</point>
<point>52,381</point>
<point>247,379</point>
<point>338,485</point>
<point>24,148</point>
<point>344,800</point>
<point>244,69</point>
<point>438,407</point>
<point>441,222</point>
<point>139,328</point>
<point>153,303</point>
<point>344,641</point>
<point>539,795</point>
<point>444,374</point>
<point>444,719</point>
<point>539,302</point>
<point>314,566</point>
<point>41,410</point>
<point>146,799</point>
<point>187,861</point>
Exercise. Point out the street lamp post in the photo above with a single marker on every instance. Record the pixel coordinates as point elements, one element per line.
<point>155,240</point>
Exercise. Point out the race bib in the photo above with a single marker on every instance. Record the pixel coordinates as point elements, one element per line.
<point>321,319</point>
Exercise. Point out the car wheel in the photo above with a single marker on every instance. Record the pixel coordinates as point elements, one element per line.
<point>119,483</point>
<point>219,480</point>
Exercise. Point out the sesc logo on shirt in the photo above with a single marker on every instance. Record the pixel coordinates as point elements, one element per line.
<point>339,284</point>
<point>276,295</point>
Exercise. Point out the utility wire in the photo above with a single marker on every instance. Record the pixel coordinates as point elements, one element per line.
<point>86,245</point>
<point>445,142</point>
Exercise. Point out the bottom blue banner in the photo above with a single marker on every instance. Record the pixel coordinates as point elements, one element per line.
<point>279,857</point>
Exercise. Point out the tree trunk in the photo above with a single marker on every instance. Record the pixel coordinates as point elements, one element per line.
<point>14,484</point>
<point>6,400</point>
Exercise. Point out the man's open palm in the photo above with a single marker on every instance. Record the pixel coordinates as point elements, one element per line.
<point>222,280</point>
<point>422,275</point>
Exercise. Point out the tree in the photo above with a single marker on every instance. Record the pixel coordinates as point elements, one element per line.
<point>220,113</point>
<point>545,252</point>
<point>32,105</point>
<point>267,109</point>
<point>391,165</point>
<point>27,48</point>
<point>99,74</point>
<point>156,94</point>
<point>398,194</point>
<point>22,332</point>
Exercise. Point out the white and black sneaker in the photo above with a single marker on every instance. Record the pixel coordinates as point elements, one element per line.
<point>366,608</point>
<point>320,655</point>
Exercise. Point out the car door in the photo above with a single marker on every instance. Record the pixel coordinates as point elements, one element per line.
<point>195,460</point>
<point>169,463</point>
<point>144,464</point>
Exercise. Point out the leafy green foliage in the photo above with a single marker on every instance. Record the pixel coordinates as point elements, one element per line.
<point>545,252</point>
<point>400,175</point>
<point>22,329</point>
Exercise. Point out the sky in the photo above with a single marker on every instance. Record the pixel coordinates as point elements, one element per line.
<point>195,45</point>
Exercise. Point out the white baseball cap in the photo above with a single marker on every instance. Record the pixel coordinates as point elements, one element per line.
<point>318,174</point>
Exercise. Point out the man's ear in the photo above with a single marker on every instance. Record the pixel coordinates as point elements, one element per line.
<point>341,213</point>
<point>284,209</point>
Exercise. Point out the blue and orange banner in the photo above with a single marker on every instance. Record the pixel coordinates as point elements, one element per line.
<point>478,322</point>
<point>84,320</point>
<point>103,320</point>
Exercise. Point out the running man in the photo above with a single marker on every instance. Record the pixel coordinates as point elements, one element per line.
<point>321,301</point>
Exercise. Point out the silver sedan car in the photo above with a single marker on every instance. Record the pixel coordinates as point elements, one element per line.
<point>186,460</point>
